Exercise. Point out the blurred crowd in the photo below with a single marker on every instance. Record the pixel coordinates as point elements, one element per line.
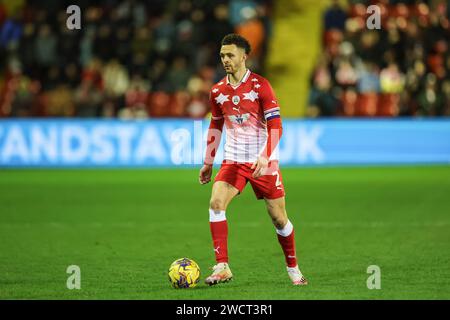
<point>130,59</point>
<point>401,69</point>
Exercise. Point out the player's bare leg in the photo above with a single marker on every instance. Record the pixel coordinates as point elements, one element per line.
<point>222,194</point>
<point>285,233</point>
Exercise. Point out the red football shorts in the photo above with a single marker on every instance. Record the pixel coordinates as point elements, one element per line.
<point>269,185</point>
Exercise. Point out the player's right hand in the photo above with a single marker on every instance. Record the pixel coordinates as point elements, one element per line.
<point>205,174</point>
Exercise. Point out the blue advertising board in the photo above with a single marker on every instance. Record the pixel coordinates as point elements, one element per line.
<point>181,142</point>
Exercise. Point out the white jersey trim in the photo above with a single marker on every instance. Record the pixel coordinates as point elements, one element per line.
<point>243,80</point>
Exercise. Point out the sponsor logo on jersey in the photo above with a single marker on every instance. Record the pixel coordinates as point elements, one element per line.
<point>240,118</point>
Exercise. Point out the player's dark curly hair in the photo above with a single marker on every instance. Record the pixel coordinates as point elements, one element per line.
<point>237,40</point>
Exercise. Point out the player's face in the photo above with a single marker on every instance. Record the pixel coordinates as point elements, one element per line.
<point>233,58</point>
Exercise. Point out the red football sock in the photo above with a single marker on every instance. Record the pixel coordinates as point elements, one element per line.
<point>219,231</point>
<point>287,241</point>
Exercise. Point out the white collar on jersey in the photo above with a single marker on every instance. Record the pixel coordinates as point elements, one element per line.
<point>244,78</point>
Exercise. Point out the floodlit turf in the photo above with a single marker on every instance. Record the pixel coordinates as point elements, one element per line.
<point>123,228</point>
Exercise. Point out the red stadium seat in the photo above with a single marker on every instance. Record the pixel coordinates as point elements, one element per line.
<point>399,10</point>
<point>357,10</point>
<point>348,101</point>
<point>159,104</point>
<point>178,104</point>
<point>366,105</point>
<point>388,105</point>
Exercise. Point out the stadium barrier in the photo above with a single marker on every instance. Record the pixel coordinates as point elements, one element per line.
<point>181,142</point>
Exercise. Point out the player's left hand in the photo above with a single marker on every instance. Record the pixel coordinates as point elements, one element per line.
<point>260,166</point>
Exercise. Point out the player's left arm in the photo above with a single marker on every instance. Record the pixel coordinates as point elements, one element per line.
<point>272,116</point>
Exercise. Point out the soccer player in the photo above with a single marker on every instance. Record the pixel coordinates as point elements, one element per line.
<point>246,104</point>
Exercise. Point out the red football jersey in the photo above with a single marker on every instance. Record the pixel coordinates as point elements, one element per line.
<point>245,108</point>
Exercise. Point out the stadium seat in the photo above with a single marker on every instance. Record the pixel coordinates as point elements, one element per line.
<point>178,104</point>
<point>357,10</point>
<point>348,102</point>
<point>388,105</point>
<point>158,104</point>
<point>366,105</point>
<point>399,10</point>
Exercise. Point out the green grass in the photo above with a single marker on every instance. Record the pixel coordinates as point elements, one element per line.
<point>124,228</point>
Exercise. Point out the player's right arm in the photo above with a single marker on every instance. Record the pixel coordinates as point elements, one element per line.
<point>272,116</point>
<point>212,141</point>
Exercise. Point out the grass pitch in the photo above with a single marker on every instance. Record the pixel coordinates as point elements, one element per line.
<point>123,228</point>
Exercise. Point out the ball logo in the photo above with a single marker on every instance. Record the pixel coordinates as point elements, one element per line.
<point>236,100</point>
